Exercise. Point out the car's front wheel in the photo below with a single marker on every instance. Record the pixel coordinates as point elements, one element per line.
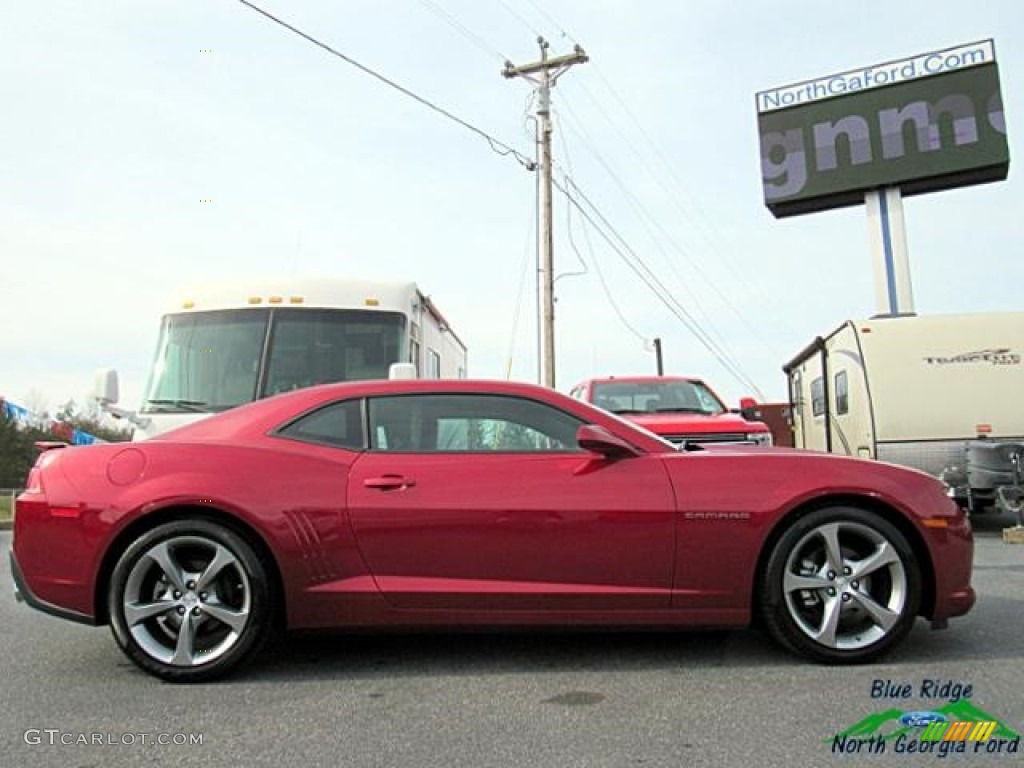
<point>189,600</point>
<point>842,585</point>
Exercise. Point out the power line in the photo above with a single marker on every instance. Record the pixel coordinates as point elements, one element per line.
<point>529,250</point>
<point>465,31</point>
<point>646,217</point>
<point>531,247</point>
<point>637,265</point>
<point>604,283</point>
<point>704,224</point>
<point>518,17</point>
<point>640,268</point>
<point>497,146</point>
<point>651,224</point>
<point>540,9</point>
<point>593,255</point>
<point>663,160</point>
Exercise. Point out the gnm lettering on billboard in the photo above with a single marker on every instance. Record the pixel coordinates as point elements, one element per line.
<point>922,135</point>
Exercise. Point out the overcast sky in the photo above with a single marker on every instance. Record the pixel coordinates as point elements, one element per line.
<point>120,117</point>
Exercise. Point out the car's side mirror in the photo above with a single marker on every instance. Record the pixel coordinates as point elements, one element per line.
<point>597,439</point>
<point>749,409</point>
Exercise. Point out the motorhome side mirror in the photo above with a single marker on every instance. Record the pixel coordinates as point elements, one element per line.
<point>402,371</point>
<point>106,388</point>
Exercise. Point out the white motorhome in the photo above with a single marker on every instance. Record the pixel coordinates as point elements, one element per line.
<point>222,345</point>
<point>913,390</point>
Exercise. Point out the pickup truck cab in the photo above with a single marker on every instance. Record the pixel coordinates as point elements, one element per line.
<point>681,409</point>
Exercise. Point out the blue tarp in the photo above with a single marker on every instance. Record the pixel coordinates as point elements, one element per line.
<point>24,416</point>
<point>16,412</point>
<point>83,438</point>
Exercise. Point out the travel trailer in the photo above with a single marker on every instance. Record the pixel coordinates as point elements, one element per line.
<point>942,393</point>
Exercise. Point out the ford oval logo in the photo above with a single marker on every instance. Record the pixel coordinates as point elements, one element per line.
<point>921,719</point>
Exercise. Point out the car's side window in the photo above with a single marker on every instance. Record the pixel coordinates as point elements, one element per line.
<point>469,423</point>
<point>339,424</point>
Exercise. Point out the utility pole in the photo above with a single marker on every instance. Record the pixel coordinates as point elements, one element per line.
<point>544,74</point>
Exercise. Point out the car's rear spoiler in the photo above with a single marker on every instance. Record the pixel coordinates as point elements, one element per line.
<point>48,445</point>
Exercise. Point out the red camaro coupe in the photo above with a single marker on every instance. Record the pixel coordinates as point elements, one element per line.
<point>404,504</point>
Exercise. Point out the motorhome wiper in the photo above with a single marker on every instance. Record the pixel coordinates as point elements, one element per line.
<point>188,406</point>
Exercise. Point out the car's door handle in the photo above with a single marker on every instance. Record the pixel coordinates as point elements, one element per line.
<point>389,482</point>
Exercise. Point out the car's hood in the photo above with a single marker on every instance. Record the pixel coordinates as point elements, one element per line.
<point>682,423</point>
<point>806,455</point>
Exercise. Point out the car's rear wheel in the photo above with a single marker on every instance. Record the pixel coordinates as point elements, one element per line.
<point>842,585</point>
<point>189,600</point>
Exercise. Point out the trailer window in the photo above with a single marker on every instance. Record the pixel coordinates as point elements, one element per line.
<point>842,394</point>
<point>433,364</point>
<point>818,397</point>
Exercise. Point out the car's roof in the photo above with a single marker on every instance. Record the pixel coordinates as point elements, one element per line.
<point>258,417</point>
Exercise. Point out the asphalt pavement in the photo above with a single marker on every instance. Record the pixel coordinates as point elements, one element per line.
<point>531,699</point>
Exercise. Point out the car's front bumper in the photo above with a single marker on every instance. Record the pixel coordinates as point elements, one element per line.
<point>952,551</point>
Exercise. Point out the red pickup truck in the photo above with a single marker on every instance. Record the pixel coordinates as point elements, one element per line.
<point>679,408</point>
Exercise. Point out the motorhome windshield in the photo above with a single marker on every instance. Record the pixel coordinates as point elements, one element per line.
<point>670,396</point>
<point>212,361</point>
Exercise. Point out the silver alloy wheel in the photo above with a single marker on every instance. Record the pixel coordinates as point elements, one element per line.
<point>845,585</point>
<point>187,600</point>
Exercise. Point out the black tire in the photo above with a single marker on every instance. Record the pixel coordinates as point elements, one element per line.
<point>181,620</point>
<point>847,607</point>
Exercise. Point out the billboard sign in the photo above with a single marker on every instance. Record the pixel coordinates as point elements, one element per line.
<point>925,123</point>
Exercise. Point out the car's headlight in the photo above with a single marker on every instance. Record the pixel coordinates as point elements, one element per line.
<point>760,438</point>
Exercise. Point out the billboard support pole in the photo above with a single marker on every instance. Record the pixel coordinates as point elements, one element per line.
<point>888,237</point>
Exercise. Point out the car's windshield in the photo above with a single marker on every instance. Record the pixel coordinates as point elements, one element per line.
<point>211,361</point>
<point>653,396</point>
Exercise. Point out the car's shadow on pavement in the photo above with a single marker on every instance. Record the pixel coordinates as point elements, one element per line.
<point>365,656</point>
<point>346,655</point>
